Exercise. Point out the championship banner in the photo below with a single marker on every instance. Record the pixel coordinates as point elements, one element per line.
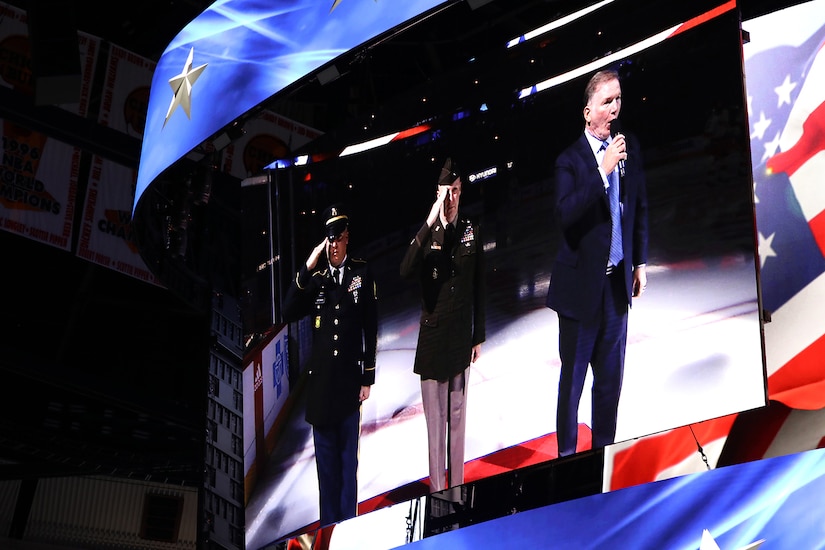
<point>38,186</point>
<point>267,138</point>
<point>106,229</point>
<point>126,91</point>
<point>39,175</point>
<point>15,61</point>
<point>89,49</point>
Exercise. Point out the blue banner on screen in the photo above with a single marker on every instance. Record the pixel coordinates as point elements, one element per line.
<point>774,502</point>
<point>239,53</point>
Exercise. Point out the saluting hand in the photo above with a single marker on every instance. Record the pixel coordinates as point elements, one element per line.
<point>315,255</point>
<point>440,195</point>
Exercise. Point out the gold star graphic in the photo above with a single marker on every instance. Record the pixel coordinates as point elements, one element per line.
<point>335,4</point>
<point>182,87</point>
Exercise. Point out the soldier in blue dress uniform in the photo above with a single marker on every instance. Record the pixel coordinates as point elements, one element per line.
<point>338,292</point>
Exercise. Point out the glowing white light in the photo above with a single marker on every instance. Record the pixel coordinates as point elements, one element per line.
<point>556,24</point>
<point>602,62</point>
<point>367,145</point>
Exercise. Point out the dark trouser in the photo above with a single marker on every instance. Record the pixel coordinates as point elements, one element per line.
<point>599,342</point>
<point>336,459</point>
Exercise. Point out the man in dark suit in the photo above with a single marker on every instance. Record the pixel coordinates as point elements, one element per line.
<point>592,286</point>
<point>339,293</point>
<point>446,258</point>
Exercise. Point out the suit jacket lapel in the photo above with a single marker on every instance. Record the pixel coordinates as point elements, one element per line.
<point>584,150</point>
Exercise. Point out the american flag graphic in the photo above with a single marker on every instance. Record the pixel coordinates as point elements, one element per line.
<point>785,86</point>
<point>786,96</point>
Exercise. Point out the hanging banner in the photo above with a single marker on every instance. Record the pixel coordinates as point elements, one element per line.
<point>126,91</point>
<point>38,175</point>
<point>106,228</point>
<point>38,186</point>
<point>89,49</point>
<point>15,61</point>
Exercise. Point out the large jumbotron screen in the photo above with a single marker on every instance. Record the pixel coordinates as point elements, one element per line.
<point>694,347</point>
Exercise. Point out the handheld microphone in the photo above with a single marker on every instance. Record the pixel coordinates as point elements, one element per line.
<point>616,128</point>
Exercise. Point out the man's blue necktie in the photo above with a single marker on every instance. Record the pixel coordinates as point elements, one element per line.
<point>616,253</point>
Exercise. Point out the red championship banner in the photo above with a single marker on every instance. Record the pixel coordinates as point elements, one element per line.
<point>267,138</point>
<point>106,228</point>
